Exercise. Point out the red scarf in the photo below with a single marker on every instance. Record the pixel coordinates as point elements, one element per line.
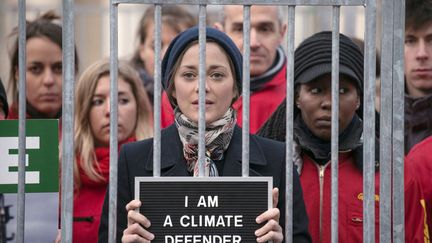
<point>102,156</point>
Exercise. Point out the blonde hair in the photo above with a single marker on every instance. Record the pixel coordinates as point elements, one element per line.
<point>84,141</point>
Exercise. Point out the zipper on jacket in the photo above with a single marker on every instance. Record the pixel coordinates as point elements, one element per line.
<point>321,170</point>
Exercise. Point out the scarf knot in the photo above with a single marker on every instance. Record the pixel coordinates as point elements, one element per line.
<point>218,135</point>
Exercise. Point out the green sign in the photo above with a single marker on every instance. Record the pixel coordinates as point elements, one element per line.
<point>42,156</point>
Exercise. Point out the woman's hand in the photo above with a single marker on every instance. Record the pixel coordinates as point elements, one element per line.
<point>137,225</point>
<point>271,231</point>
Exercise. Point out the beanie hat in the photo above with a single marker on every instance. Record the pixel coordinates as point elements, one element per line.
<point>3,98</point>
<point>182,40</point>
<point>313,58</point>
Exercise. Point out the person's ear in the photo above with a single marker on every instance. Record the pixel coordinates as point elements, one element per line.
<point>141,50</point>
<point>358,102</point>
<point>283,29</point>
<point>296,100</point>
<point>16,73</point>
<point>218,26</point>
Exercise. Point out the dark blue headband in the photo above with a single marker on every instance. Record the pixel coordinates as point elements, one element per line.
<point>183,39</point>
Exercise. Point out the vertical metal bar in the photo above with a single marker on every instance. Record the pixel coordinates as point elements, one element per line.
<point>398,120</point>
<point>68,120</point>
<point>369,125</point>
<point>112,216</point>
<point>335,124</point>
<point>289,128</point>
<point>386,121</point>
<point>22,120</point>
<point>246,90</point>
<point>202,89</point>
<point>157,91</point>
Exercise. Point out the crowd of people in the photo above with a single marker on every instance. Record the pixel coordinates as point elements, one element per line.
<point>223,117</point>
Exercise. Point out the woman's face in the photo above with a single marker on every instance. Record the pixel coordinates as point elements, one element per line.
<point>44,75</point>
<point>147,48</point>
<point>100,111</point>
<point>219,87</point>
<point>314,101</point>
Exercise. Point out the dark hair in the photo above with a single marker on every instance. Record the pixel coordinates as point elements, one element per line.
<point>174,16</point>
<point>418,13</point>
<point>42,26</point>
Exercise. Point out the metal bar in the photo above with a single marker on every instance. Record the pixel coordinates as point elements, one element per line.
<point>386,121</point>
<point>398,120</point>
<point>369,125</point>
<point>68,120</point>
<point>246,91</point>
<point>249,2</point>
<point>22,120</point>
<point>289,128</point>
<point>112,216</point>
<point>335,124</point>
<point>157,91</point>
<point>202,89</point>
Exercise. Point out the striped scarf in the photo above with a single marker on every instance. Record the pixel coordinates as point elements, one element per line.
<point>217,138</point>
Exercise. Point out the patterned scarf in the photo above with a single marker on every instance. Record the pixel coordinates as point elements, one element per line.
<point>217,138</point>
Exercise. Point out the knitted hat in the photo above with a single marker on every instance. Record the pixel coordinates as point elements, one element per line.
<point>183,39</point>
<point>313,58</point>
<point>3,98</point>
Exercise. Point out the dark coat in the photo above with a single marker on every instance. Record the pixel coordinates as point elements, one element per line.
<point>267,158</point>
<point>418,120</point>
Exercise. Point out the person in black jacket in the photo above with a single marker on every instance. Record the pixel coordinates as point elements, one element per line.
<point>223,140</point>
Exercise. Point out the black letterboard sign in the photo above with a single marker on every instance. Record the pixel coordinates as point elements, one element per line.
<point>203,209</point>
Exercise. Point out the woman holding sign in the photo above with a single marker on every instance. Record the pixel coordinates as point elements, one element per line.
<point>223,140</point>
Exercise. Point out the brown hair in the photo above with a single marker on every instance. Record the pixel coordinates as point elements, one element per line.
<point>42,26</point>
<point>418,13</point>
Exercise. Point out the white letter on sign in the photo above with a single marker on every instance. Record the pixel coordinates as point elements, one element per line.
<point>168,221</point>
<point>212,202</point>
<point>11,160</point>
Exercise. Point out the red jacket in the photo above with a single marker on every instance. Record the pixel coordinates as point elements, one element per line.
<point>262,103</point>
<point>350,214</point>
<point>420,158</point>
<point>89,199</point>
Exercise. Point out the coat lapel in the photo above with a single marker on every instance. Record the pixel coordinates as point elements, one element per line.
<point>172,160</point>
